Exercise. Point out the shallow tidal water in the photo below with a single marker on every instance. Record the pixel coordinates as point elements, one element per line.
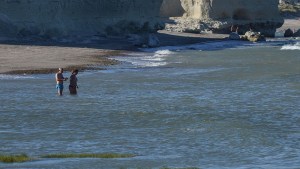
<point>217,105</point>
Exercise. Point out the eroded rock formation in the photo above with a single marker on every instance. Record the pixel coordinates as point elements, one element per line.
<point>219,15</point>
<point>59,18</point>
<point>289,1</point>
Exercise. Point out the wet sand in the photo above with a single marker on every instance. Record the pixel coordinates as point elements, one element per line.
<point>44,57</point>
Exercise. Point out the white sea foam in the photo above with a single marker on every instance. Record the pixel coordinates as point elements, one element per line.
<point>295,46</point>
<point>7,77</point>
<point>154,57</point>
<point>198,71</point>
<point>149,64</point>
<point>160,54</point>
<point>163,52</point>
<point>202,46</point>
<point>149,59</point>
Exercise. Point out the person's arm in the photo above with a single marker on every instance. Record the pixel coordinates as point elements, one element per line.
<point>65,78</point>
<point>60,78</point>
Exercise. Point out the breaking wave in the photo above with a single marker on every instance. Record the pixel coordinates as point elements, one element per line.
<point>14,77</point>
<point>155,59</point>
<point>295,46</point>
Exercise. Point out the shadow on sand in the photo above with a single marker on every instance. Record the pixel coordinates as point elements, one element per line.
<point>116,43</point>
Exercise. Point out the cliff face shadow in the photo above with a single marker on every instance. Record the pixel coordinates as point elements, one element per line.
<point>111,43</point>
<point>38,56</point>
<point>124,43</point>
<point>175,38</point>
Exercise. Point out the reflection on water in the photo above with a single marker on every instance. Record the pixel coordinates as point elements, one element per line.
<point>224,108</point>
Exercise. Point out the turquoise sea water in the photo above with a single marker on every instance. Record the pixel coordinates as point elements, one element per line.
<point>217,105</point>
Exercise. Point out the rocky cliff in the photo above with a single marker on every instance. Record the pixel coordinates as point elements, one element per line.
<point>219,15</point>
<point>289,1</point>
<point>59,18</point>
<point>53,18</point>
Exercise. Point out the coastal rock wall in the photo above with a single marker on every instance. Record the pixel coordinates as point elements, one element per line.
<point>77,17</point>
<point>171,8</point>
<point>59,18</point>
<point>289,1</point>
<point>232,9</point>
<point>192,8</point>
<point>241,9</point>
<point>219,15</point>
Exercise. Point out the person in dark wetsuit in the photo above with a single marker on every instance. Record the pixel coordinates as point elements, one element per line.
<point>73,82</point>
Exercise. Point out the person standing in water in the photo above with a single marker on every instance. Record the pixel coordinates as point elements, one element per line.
<point>60,81</point>
<point>73,82</point>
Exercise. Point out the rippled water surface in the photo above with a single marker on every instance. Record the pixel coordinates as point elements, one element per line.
<point>220,105</point>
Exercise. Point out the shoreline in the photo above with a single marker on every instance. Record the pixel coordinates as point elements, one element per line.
<point>45,58</point>
<point>39,57</point>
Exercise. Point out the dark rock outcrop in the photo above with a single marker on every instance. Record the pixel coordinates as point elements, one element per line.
<point>234,36</point>
<point>297,33</point>
<point>288,33</point>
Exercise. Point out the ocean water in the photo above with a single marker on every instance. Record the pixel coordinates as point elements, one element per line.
<point>217,105</point>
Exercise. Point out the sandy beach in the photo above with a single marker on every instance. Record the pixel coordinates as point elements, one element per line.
<point>45,57</point>
<point>19,59</point>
